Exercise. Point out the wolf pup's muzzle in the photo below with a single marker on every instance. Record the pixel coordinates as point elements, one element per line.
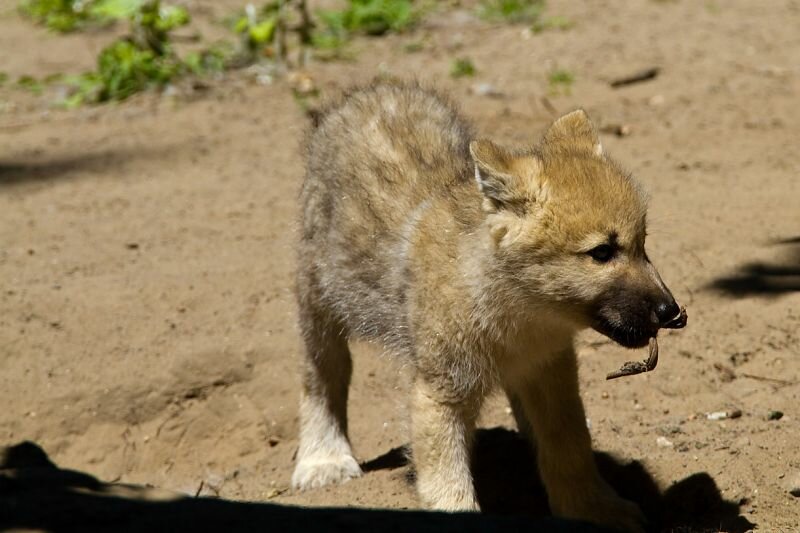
<point>631,315</point>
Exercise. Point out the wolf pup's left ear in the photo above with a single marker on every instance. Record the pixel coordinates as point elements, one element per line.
<point>574,130</point>
<point>504,178</point>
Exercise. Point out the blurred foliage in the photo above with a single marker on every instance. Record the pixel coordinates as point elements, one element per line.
<point>29,83</point>
<point>146,58</point>
<point>552,23</point>
<point>211,60</point>
<point>70,15</point>
<point>137,62</point>
<point>256,27</point>
<point>527,11</point>
<point>365,17</point>
<point>462,67</point>
<point>560,81</point>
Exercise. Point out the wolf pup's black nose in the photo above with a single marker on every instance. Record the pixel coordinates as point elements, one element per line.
<point>666,311</point>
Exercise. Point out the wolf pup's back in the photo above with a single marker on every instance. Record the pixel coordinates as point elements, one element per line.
<point>375,158</point>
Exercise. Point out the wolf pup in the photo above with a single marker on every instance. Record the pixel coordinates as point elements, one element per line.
<point>477,265</point>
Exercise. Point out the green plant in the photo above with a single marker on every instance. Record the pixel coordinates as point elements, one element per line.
<point>371,17</point>
<point>271,31</point>
<point>552,23</point>
<point>124,68</point>
<point>511,10</point>
<point>414,47</point>
<point>29,83</point>
<point>367,17</point>
<point>69,15</point>
<point>256,28</point>
<point>217,58</point>
<point>462,67</point>
<point>560,81</point>
<point>137,62</point>
<point>58,15</point>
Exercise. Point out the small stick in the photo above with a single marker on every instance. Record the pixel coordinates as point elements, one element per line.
<point>632,368</point>
<point>638,77</point>
<point>764,378</point>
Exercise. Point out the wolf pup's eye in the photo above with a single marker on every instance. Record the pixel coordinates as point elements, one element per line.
<point>603,253</point>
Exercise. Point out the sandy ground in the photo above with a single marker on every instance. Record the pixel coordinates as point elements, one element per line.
<point>147,329</point>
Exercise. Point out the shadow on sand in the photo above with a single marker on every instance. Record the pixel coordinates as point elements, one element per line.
<point>766,279</point>
<point>46,167</point>
<point>36,494</point>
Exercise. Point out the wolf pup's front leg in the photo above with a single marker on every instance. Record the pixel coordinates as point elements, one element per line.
<point>442,442</point>
<point>549,398</point>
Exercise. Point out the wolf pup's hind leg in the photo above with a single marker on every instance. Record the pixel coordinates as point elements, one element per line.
<point>324,455</point>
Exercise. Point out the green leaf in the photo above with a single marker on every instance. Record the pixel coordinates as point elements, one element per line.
<point>262,32</point>
<point>114,9</point>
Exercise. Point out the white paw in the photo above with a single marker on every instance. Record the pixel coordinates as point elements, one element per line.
<point>313,472</point>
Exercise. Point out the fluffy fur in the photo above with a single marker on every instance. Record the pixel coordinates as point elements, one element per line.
<point>476,264</point>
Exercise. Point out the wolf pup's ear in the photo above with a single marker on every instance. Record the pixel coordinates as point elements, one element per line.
<point>574,130</point>
<point>503,177</point>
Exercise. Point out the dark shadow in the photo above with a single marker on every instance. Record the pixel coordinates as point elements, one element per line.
<point>507,483</point>
<point>394,458</point>
<point>766,279</point>
<point>36,494</point>
<point>47,168</point>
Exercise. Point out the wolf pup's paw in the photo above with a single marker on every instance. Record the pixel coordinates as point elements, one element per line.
<point>313,472</point>
<point>603,507</point>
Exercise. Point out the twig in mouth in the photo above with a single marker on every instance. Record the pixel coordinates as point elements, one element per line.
<point>631,368</point>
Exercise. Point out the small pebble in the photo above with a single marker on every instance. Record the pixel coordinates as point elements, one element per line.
<point>774,415</point>
<point>663,442</point>
<point>214,482</point>
<point>302,83</point>
<point>620,130</point>
<point>486,89</point>
<point>722,415</point>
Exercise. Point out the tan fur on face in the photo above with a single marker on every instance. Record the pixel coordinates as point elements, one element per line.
<point>469,260</point>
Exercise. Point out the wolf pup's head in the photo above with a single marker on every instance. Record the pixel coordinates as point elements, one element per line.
<point>568,227</point>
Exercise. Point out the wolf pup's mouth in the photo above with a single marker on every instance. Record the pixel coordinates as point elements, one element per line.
<point>632,336</point>
<point>627,336</point>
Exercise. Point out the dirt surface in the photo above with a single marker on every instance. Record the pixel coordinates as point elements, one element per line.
<point>147,329</point>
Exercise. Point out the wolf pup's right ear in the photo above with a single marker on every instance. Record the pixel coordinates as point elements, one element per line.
<point>574,130</point>
<point>504,178</point>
